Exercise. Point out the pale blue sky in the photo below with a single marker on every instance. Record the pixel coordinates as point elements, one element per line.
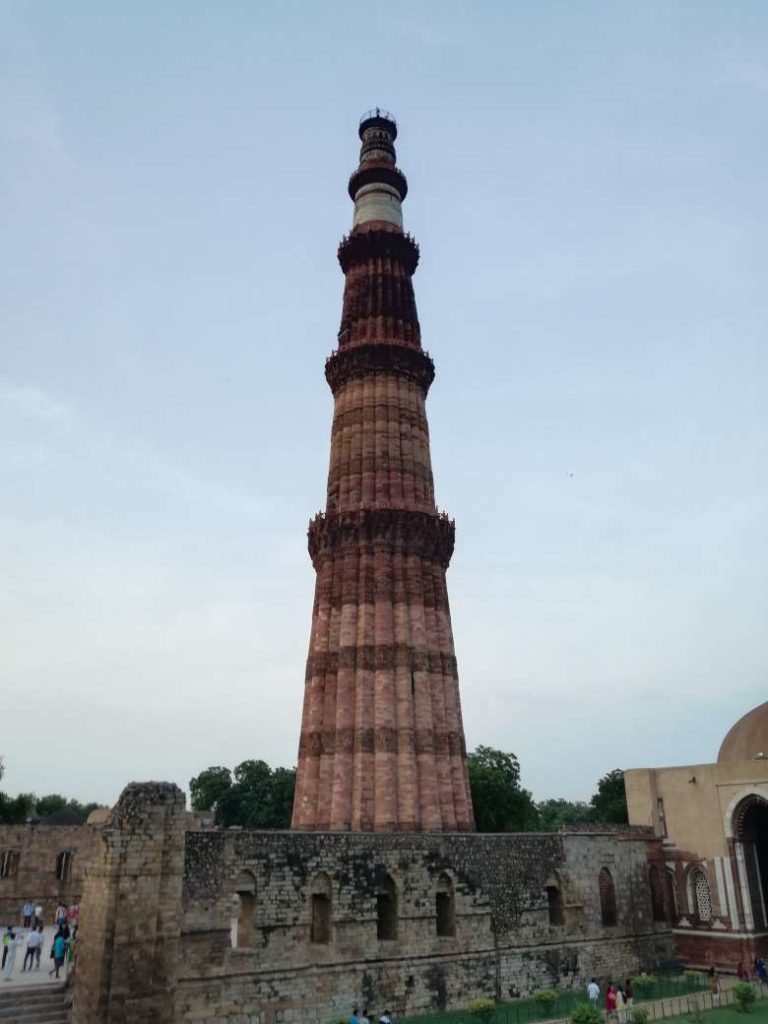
<point>588,187</point>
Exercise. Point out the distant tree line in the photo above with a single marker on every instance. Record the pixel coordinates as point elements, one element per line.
<point>253,795</point>
<point>52,809</point>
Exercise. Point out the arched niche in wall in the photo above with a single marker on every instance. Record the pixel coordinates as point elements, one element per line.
<point>607,891</point>
<point>445,906</point>
<point>386,908</point>
<point>244,911</point>
<point>555,904</point>
<point>657,892</point>
<point>320,909</point>
<point>749,829</point>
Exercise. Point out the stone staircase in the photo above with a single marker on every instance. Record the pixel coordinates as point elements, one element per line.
<point>39,1004</point>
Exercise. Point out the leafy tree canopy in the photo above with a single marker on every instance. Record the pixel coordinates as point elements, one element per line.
<point>500,803</point>
<point>553,814</point>
<point>253,795</point>
<point>206,788</point>
<point>609,803</point>
<point>16,810</point>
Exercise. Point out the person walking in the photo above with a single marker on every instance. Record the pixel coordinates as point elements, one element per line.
<point>593,992</point>
<point>34,940</point>
<point>26,914</point>
<point>610,999</point>
<point>7,940</point>
<point>10,960</point>
<point>57,953</point>
<point>39,949</point>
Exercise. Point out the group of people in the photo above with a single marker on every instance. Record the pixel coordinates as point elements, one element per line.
<point>62,946</point>
<point>759,968</point>
<point>364,1018</point>
<point>618,998</point>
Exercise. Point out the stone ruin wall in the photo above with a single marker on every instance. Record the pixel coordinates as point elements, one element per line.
<point>32,857</point>
<point>157,907</point>
<point>503,945</point>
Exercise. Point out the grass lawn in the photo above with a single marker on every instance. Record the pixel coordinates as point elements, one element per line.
<point>730,1015</point>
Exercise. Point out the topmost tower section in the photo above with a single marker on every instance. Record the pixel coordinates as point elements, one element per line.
<point>378,186</point>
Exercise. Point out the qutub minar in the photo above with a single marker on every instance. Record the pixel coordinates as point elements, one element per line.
<point>182,922</point>
<point>382,742</point>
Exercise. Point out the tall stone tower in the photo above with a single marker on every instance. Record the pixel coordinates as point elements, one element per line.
<point>382,741</point>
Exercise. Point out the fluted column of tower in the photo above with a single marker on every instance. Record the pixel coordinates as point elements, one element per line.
<point>382,741</point>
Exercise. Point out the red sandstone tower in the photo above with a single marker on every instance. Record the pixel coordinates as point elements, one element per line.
<point>382,741</point>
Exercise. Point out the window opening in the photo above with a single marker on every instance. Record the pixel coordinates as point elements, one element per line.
<point>386,910</point>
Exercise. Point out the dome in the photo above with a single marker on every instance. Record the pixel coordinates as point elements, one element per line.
<point>748,738</point>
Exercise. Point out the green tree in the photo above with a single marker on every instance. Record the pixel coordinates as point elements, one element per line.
<point>500,803</point>
<point>555,813</point>
<point>50,804</point>
<point>260,797</point>
<point>609,803</point>
<point>14,810</point>
<point>206,788</point>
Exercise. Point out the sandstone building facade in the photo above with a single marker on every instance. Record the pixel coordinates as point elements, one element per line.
<point>712,867</point>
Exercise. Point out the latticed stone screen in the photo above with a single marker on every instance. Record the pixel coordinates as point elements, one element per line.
<point>699,896</point>
<point>607,898</point>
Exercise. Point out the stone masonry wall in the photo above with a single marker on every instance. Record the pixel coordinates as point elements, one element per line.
<point>127,958</point>
<point>503,944</point>
<point>34,850</point>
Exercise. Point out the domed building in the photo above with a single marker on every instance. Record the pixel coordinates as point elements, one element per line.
<point>712,879</point>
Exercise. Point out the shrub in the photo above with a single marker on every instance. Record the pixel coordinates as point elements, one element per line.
<point>744,995</point>
<point>587,1013</point>
<point>640,1015</point>
<point>545,999</point>
<point>644,983</point>
<point>483,1009</point>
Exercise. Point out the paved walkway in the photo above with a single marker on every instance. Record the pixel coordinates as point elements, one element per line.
<point>35,976</point>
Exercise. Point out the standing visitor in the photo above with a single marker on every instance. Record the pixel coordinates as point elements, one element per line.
<point>39,949</point>
<point>629,993</point>
<point>593,992</point>
<point>610,999</point>
<point>741,972</point>
<point>365,1018</point>
<point>714,986</point>
<point>621,1005</point>
<point>74,913</point>
<point>354,1019</point>
<point>38,914</point>
<point>33,943</point>
<point>385,1018</point>
<point>26,913</point>
<point>761,970</point>
<point>61,915</point>
<point>57,953</point>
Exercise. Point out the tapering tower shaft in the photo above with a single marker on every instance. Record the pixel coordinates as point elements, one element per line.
<point>382,741</point>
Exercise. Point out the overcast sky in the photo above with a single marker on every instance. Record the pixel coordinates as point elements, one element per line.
<point>588,187</point>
